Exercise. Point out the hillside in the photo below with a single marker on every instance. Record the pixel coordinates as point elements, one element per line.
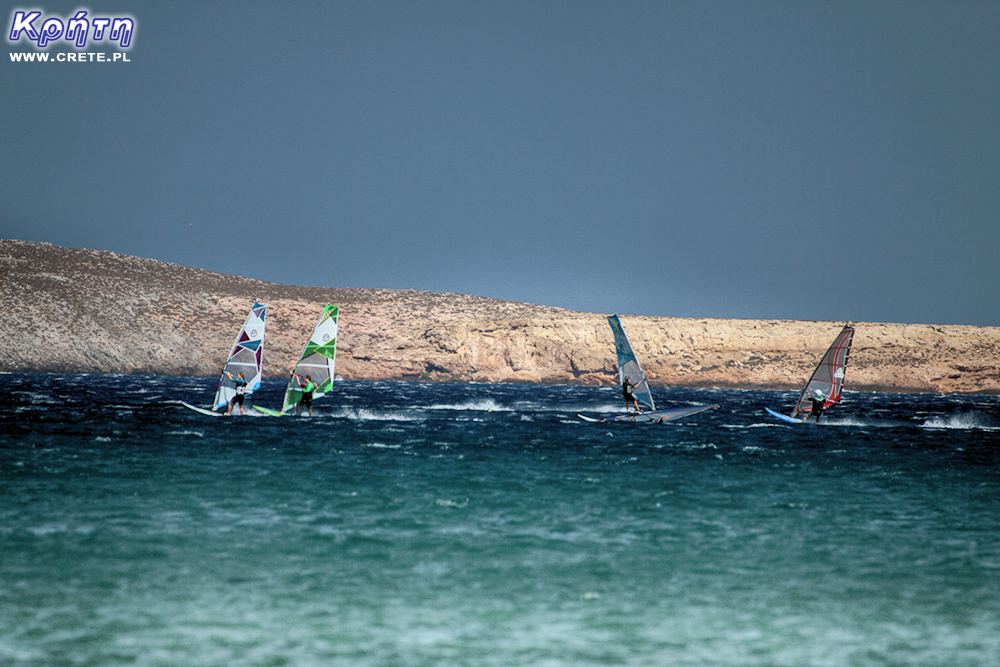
<point>71,310</point>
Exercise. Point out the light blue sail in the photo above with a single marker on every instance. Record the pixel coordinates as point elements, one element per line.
<point>628,366</point>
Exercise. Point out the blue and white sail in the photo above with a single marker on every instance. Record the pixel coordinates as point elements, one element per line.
<point>628,366</point>
<point>246,357</point>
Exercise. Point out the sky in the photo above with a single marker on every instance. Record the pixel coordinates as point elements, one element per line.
<point>791,160</point>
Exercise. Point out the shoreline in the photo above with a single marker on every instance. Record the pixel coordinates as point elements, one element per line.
<point>87,311</point>
<point>275,378</point>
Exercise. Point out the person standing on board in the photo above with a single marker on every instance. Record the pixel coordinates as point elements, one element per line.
<point>241,390</point>
<point>817,401</point>
<point>308,387</point>
<point>627,391</point>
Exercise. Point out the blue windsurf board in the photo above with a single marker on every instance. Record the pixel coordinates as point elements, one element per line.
<point>784,418</point>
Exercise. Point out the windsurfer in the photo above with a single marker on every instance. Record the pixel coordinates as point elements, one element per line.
<point>817,399</point>
<point>627,391</point>
<point>308,387</point>
<point>240,383</point>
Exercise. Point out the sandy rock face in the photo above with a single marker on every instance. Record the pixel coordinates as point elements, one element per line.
<point>72,310</point>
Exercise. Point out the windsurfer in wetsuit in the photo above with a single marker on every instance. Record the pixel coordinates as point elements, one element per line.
<point>817,401</point>
<point>241,389</point>
<point>627,391</point>
<point>308,387</point>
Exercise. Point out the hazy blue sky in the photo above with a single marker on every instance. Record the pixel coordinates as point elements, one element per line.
<point>803,160</point>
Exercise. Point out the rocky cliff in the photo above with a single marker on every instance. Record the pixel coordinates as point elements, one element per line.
<point>72,310</point>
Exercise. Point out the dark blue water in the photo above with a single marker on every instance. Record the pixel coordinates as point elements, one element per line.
<point>416,524</point>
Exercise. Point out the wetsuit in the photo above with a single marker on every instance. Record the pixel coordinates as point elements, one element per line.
<point>817,407</point>
<point>241,390</point>
<point>629,396</point>
<point>307,394</point>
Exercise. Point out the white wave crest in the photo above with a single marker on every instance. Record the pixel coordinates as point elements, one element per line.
<point>965,421</point>
<point>480,405</point>
<point>451,503</point>
<point>364,414</point>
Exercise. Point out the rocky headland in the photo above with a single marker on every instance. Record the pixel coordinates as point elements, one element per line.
<point>72,310</point>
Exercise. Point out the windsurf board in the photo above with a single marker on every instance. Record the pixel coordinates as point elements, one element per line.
<point>269,412</point>
<point>784,418</point>
<point>203,411</point>
<point>654,416</point>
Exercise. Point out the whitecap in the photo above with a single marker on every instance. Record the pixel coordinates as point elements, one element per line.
<point>965,421</point>
<point>364,414</point>
<point>440,502</point>
<point>481,405</point>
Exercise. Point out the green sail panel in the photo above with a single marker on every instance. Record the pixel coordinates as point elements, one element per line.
<point>317,361</point>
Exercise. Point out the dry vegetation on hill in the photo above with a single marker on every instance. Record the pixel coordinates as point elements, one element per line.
<point>71,310</point>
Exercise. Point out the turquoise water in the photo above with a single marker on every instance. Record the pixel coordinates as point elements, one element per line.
<point>416,524</point>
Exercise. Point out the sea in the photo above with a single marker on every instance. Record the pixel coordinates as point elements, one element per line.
<point>486,524</point>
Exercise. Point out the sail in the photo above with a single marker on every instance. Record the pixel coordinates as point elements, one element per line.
<point>245,357</point>
<point>628,365</point>
<point>829,374</point>
<point>317,360</point>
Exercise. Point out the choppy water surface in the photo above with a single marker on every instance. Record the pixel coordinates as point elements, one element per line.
<point>412,524</point>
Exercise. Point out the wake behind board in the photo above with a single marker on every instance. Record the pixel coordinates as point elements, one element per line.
<point>784,418</point>
<point>203,411</point>
<point>653,417</point>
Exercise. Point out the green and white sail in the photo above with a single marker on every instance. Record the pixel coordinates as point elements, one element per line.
<point>628,366</point>
<point>317,360</point>
<point>246,357</point>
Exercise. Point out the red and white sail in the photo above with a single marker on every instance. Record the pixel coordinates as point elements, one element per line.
<point>828,377</point>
